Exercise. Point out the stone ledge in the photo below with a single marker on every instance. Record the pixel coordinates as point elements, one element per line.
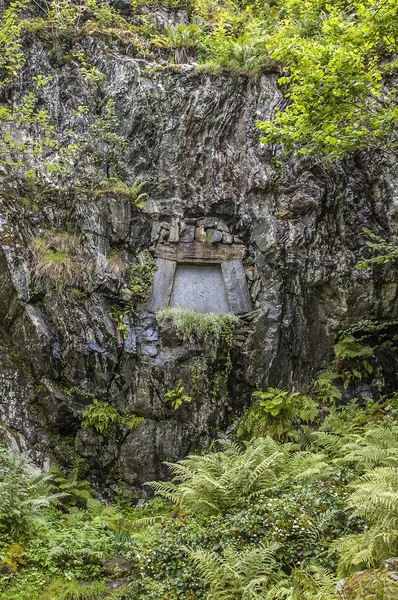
<point>200,252</point>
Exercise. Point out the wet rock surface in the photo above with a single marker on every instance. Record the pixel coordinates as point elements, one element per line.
<point>192,138</point>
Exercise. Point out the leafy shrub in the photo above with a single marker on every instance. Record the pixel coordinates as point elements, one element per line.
<point>335,61</point>
<point>11,53</point>
<point>275,413</point>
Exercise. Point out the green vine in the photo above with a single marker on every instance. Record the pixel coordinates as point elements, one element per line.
<point>220,379</point>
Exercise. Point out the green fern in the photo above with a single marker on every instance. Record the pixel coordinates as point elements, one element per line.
<point>375,498</point>
<point>352,359</point>
<point>377,446</point>
<point>308,466</point>
<point>216,482</point>
<point>23,499</point>
<point>177,397</point>
<point>235,575</point>
<point>137,195</point>
<point>348,347</point>
<point>100,415</point>
<point>182,39</point>
<point>313,583</point>
<point>77,491</point>
<point>115,186</point>
<point>324,389</point>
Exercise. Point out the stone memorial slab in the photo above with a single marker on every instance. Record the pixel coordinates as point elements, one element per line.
<point>162,284</point>
<point>236,286</point>
<point>200,288</point>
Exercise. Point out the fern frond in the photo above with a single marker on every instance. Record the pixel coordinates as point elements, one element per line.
<point>238,575</point>
<point>375,498</point>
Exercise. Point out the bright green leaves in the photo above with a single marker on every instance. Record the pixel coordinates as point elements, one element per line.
<point>381,251</point>
<point>101,416</point>
<point>177,396</point>
<point>338,100</point>
<point>275,413</point>
<point>11,54</point>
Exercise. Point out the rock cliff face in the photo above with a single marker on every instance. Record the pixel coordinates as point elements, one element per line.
<point>192,137</point>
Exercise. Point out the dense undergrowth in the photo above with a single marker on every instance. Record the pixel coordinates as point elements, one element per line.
<point>246,520</point>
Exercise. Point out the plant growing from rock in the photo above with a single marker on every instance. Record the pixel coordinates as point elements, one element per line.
<point>57,258</point>
<point>191,325</point>
<point>101,416</point>
<point>134,192</point>
<point>182,39</point>
<point>244,53</point>
<point>176,397</point>
<point>141,277</point>
<point>381,251</point>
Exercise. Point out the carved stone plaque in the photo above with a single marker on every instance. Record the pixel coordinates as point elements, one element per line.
<point>200,288</point>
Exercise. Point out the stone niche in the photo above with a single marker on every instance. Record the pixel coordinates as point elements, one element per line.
<point>199,267</point>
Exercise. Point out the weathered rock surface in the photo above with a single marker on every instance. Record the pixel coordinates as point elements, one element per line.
<point>192,137</point>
